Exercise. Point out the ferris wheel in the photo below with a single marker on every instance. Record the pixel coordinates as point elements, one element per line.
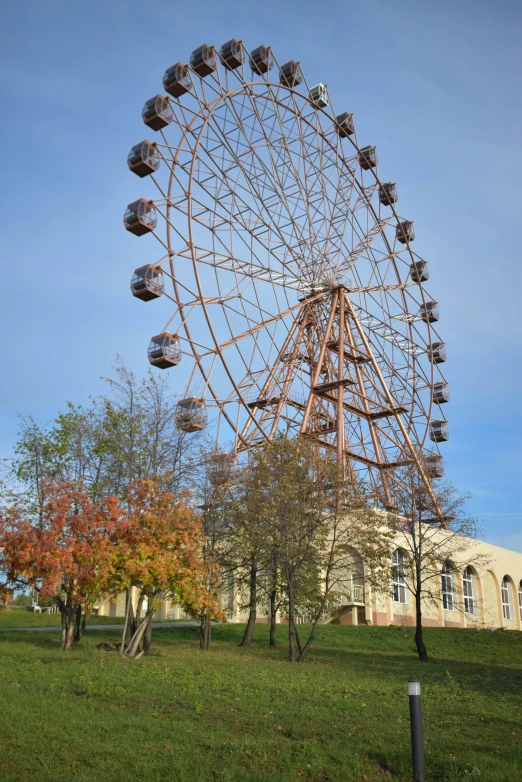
<point>297,300</point>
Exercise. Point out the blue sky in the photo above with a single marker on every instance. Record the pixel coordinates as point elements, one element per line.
<point>434,85</point>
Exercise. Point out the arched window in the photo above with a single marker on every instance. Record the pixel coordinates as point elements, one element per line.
<point>448,588</point>
<point>399,576</point>
<point>470,591</point>
<point>520,599</point>
<point>350,575</point>
<point>507,601</point>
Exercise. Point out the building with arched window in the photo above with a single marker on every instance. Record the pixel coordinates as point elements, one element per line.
<point>469,591</point>
<point>447,587</point>
<point>488,595</point>
<point>507,599</point>
<point>400,576</point>
<point>485,595</point>
<point>483,589</point>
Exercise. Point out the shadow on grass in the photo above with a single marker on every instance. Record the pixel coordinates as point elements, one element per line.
<point>358,653</point>
<point>38,640</point>
<point>478,676</point>
<point>52,640</point>
<point>445,765</point>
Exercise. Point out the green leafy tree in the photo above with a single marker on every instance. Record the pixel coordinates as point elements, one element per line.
<point>304,518</point>
<point>214,486</point>
<point>434,532</point>
<point>125,434</point>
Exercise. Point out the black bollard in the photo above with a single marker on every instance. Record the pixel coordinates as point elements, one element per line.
<point>417,740</point>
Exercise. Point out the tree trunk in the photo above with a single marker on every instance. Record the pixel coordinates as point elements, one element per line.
<point>249,629</point>
<point>78,624</point>
<point>129,620</point>
<point>202,628</point>
<point>147,638</point>
<point>292,639</point>
<point>138,635</point>
<point>205,632</point>
<point>297,641</point>
<point>63,614</point>
<point>132,624</point>
<point>84,623</point>
<point>273,616</point>
<point>310,639</point>
<point>137,617</point>
<point>421,649</point>
<point>69,615</point>
<point>71,624</point>
<point>273,601</point>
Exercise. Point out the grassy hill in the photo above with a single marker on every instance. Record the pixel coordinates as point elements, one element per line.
<point>236,714</point>
<point>21,617</point>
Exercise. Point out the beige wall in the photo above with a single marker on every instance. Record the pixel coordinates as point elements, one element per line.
<point>501,563</point>
<point>380,609</point>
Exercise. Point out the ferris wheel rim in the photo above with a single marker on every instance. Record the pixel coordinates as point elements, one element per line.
<point>414,339</point>
<point>246,88</point>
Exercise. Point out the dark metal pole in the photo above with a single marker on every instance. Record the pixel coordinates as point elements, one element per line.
<point>417,740</point>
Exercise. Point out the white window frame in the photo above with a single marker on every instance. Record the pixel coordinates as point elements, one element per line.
<point>399,577</point>
<point>520,598</point>
<point>469,591</point>
<point>447,583</point>
<point>507,602</point>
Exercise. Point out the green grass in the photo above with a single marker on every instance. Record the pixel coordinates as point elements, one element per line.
<point>21,617</point>
<point>247,714</point>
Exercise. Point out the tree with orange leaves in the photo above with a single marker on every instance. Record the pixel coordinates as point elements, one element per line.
<point>66,554</point>
<point>157,549</point>
<point>78,551</point>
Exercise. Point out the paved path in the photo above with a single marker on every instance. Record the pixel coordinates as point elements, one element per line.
<point>156,625</point>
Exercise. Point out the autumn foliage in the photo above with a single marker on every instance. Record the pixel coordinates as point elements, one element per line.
<point>79,551</point>
<point>65,554</point>
<point>158,551</point>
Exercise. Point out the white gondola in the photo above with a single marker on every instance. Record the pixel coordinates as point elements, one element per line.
<point>203,60</point>
<point>140,217</point>
<point>164,350</point>
<point>318,94</point>
<point>143,159</point>
<point>156,112</point>
<point>147,283</point>
<point>439,431</point>
<point>434,466</point>
<point>419,271</point>
<point>429,311</point>
<point>176,80</point>
<point>191,415</point>
<point>440,393</point>
<point>437,352</point>
<point>405,232</point>
<point>388,193</point>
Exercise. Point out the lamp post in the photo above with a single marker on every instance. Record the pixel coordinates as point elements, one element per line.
<point>417,741</point>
